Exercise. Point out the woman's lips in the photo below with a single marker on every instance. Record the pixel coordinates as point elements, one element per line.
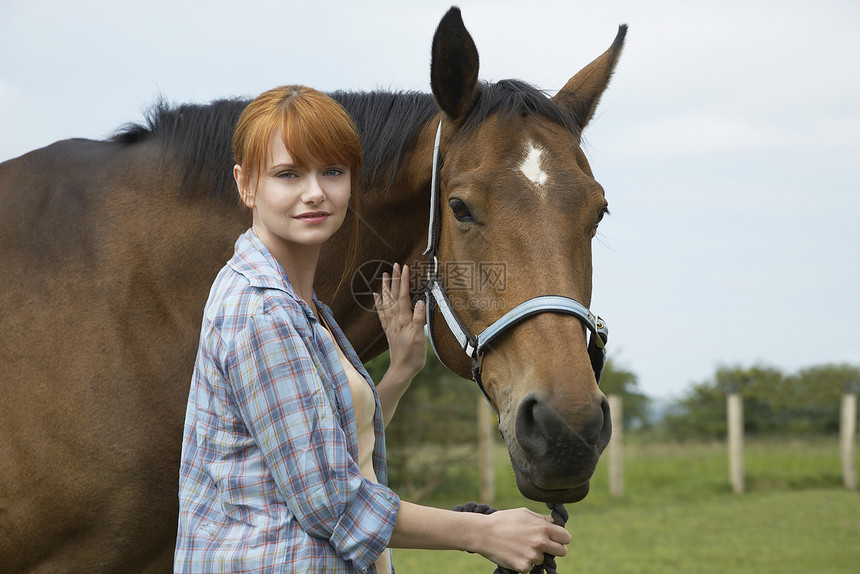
<point>313,216</point>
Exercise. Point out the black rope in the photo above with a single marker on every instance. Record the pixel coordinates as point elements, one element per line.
<point>559,516</point>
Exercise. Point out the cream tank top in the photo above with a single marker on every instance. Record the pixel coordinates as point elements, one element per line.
<point>364,406</point>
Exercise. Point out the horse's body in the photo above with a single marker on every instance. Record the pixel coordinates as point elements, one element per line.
<point>109,249</point>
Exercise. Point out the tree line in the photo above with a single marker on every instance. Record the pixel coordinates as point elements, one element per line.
<point>803,403</point>
<point>431,440</point>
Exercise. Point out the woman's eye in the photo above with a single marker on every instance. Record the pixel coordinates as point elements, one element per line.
<point>333,171</point>
<point>286,175</point>
<point>461,211</point>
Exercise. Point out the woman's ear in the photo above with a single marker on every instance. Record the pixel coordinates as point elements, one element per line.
<point>243,184</point>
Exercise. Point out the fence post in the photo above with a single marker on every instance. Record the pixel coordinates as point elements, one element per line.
<point>848,430</point>
<point>616,446</point>
<point>735,415</point>
<point>486,432</point>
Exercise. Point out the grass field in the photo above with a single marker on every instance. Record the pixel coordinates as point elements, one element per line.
<point>679,515</point>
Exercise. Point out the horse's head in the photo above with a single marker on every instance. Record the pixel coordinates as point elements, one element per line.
<point>519,207</point>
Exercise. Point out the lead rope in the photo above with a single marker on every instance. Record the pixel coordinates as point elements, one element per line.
<point>559,516</point>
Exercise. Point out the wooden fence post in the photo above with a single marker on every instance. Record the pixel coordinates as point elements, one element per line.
<point>616,446</point>
<point>735,414</point>
<point>847,432</point>
<point>486,432</point>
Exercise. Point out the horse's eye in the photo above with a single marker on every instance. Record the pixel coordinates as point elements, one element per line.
<point>603,211</point>
<point>461,211</point>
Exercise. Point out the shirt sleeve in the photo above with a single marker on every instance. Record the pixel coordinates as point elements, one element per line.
<point>283,399</point>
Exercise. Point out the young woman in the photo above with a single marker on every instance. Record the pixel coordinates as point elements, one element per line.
<point>283,456</point>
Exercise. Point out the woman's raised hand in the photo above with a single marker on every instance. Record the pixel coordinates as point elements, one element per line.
<point>403,325</point>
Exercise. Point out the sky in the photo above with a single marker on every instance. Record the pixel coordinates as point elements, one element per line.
<point>728,142</point>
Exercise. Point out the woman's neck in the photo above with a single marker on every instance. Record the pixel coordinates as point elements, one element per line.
<point>298,261</point>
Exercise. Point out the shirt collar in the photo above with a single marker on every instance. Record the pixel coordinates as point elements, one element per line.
<point>253,260</point>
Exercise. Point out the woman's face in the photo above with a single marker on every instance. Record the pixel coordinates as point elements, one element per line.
<point>293,205</point>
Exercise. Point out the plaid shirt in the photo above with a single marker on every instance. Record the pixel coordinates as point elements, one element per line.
<point>269,480</point>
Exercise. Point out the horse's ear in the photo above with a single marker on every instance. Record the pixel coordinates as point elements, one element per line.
<point>582,92</point>
<point>454,66</point>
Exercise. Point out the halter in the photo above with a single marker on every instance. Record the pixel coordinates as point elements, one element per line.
<point>476,345</point>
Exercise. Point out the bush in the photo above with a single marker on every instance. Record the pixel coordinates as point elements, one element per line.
<point>431,439</point>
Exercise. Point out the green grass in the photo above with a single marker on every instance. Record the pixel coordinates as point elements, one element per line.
<point>679,515</point>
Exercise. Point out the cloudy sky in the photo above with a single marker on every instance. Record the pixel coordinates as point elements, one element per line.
<point>728,143</point>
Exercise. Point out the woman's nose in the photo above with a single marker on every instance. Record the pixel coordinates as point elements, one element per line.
<point>314,192</point>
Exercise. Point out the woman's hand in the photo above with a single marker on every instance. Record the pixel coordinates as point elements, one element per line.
<point>404,329</point>
<point>515,539</point>
<point>403,325</point>
<point>518,538</point>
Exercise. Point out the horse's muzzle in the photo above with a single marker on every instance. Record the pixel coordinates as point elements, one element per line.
<point>554,450</point>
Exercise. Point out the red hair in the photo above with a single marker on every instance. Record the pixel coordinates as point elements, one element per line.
<point>315,129</point>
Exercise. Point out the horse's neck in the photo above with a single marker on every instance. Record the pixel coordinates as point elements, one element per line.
<point>393,229</point>
<point>399,216</point>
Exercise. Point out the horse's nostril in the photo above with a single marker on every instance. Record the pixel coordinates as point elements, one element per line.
<point>598,426</point>
<point>529,433</point>
<point>540,427</point>
<point>606,428</point>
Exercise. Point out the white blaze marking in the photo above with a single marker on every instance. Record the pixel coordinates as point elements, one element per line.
<point>531,166</point>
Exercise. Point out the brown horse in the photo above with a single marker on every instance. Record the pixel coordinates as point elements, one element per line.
<point>109,248</point>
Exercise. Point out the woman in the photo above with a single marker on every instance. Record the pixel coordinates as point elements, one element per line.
<point>283,457</point>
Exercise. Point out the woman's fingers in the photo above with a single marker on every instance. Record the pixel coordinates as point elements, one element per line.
<point>523,536</point>
<point>396,298</point>
<point>394,303</point>
<point>385,299</point>
<point>403,294</point>
<point>395,282</point>
<point>419,315</point>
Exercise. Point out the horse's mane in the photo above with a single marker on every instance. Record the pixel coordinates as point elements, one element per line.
<point>510,98</point>
<point>387,122</point>
<point>201,134</point>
